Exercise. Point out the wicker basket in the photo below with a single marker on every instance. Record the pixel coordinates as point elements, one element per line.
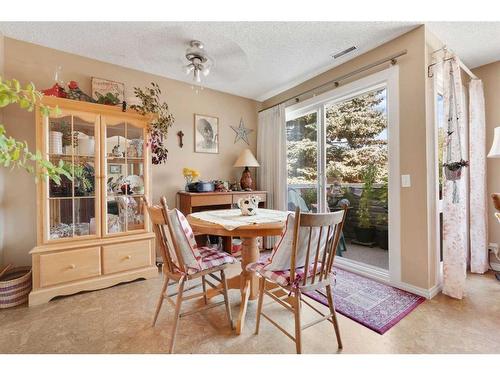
<point>15,285</point>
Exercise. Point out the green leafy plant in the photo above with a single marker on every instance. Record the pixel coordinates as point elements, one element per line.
<point>369,175</point>
<point>108,99</point>
<point>160,123</point>
<point>80,175</point>
<point>14,153</point>
<point>66,132</point>
<point>382,218</point>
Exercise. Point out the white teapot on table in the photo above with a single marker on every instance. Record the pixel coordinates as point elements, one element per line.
<point>249,205</point>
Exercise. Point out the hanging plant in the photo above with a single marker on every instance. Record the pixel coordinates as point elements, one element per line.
<point>454,160</point>
<point>453,171</point>
<point>161,121</point>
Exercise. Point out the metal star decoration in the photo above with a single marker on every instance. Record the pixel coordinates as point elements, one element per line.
<point>241,132</point>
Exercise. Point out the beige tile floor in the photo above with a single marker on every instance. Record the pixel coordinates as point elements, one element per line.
<point>117,320</point>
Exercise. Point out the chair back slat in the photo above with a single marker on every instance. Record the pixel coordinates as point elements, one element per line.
<point>321,247</point>
<point>316,257</point>
<point>162,229</point>
<point>325,252</point>
<point>296,227</point>
<point>306,264</point>
<point>335,241</point>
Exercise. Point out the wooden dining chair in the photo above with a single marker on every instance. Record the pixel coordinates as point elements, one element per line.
<point>183,260</point>
<point>286,287</point>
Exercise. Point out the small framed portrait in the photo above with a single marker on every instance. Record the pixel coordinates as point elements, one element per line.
<point>115,169</point>
<point>102,87</point>
<point>206,134</point>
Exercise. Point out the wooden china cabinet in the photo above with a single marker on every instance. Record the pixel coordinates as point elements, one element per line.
<point>92,231</point>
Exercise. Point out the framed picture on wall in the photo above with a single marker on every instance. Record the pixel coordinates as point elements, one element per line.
<point>206,134</point>
<point>105,86</point>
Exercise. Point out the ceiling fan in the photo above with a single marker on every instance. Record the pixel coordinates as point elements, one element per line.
<point>199,61</point>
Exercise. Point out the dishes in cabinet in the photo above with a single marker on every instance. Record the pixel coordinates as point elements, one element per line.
<point>55,142</point>
<point>63,230</point>
<point>135,148</point>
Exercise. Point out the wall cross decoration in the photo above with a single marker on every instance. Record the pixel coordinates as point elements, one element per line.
<point>180,134</point>
<point>241,132</point>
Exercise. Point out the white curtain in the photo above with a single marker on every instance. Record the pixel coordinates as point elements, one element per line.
<point>271,154</point>
<point>477,185</point>
<point>455,239</point>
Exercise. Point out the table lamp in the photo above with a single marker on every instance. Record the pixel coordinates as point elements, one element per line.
<point>495,153</point>
<point>246,159</point>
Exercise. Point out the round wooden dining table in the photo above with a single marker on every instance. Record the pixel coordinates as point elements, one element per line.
<point>246,281</point>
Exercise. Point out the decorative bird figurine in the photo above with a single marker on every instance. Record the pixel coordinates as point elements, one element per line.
<point>75,93</point>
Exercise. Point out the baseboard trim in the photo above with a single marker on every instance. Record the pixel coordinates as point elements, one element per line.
<point>374,273</point>
<point>426,293</point>
<point>435,290</point>
<point>382,276</point>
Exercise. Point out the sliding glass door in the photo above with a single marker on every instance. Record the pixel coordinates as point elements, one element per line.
<point>302,162</point>
<point>338,147</point>
<point>357,171</point>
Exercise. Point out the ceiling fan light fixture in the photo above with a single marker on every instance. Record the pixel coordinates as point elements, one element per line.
<point>197,77</point>
<point>199,61</point>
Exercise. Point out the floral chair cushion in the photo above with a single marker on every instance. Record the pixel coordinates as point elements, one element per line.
<point>281,277</point>
<point>211,257</point>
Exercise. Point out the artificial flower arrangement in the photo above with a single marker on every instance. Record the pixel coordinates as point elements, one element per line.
<point>190,174</point>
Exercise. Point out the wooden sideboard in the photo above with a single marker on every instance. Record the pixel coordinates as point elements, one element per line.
<point>196,202</point>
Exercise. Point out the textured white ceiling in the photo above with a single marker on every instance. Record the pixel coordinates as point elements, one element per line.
<point>253,59</point>
<point>476,43</point>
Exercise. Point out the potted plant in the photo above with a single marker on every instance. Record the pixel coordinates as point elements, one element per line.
<point>161,120</point>
<point>382,231</point>
<point>190,175</point>
<point>453,170</point>
<point>364,230</point>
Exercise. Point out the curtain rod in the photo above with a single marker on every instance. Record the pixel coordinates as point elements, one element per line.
<point>430,74</point>
<point>392,59</point>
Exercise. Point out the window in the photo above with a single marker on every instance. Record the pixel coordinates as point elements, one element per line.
<point>338,148</point>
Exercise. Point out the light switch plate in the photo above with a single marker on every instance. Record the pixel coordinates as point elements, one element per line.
<point>405,180</point>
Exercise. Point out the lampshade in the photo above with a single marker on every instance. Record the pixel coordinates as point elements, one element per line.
<point>495,147</point>
<point>246,159</point>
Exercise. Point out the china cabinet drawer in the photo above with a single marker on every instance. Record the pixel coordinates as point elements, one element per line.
<point>203,200</point>
<point>69,266</point>
<point>126,256</point>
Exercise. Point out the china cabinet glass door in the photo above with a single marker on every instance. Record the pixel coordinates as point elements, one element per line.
<point>124,172</point>
<point>73,204</point>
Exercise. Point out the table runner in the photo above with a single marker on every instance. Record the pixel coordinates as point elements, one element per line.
<point>232,219</point>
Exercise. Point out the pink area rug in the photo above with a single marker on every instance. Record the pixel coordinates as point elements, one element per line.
<point>368,302</point>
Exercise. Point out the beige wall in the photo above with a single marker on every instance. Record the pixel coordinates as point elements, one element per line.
<point>415,262</point>
<point>28,62</point>
<point>490,75</point>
